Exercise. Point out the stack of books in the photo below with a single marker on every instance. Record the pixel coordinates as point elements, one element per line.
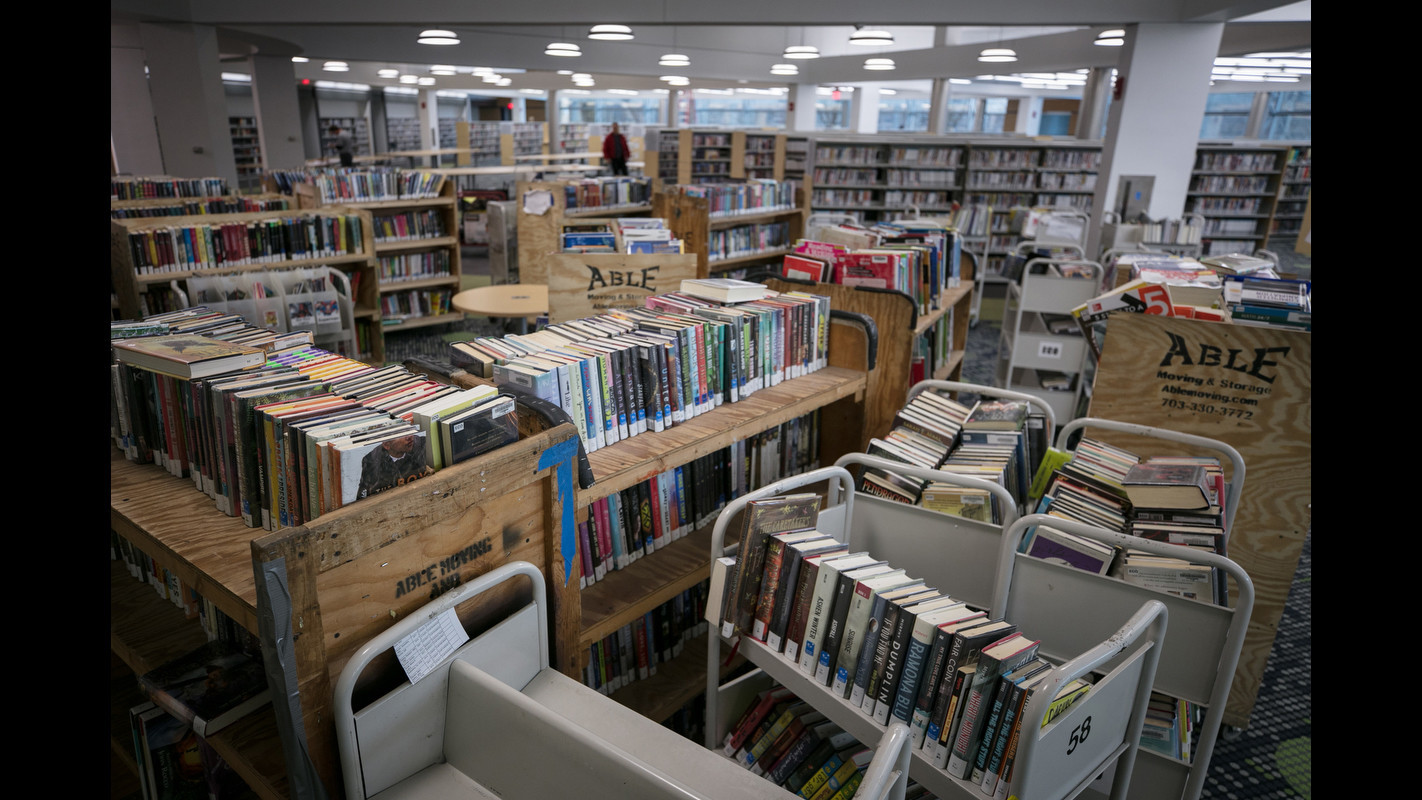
<point>1269,302</point>
<point>920,258</point>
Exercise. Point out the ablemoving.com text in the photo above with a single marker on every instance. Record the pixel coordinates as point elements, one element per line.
<point>1205,394</point>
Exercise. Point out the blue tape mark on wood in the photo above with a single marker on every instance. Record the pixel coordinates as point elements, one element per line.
<point>564,453</point>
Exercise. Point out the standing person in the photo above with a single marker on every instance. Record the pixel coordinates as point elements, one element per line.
<point>344,147</point>
<point>614,149</point>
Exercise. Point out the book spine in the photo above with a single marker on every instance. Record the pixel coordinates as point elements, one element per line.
<point>893,666</point>
<point>770,581</point>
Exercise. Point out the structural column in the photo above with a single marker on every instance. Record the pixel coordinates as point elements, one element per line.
<point>864,108</point>
<point>185,81</point>
<point>1093,103</point>
<point>1029,115</point>
<point>278,112</point>
<point>133,133</point>
<point>1154,123</point>
<point>938,106</point>
<point>800,107</point>
<point>429,119</point>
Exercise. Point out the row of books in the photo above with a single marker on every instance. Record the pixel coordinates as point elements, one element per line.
<point>895,198</point>
<point>933,349</point>
<point>414,266</point>
<point>620,235</point>
<point>174,762</point>
<point>280,436</point>
<point>179,248</point>
<point>633,652</point>
<point>1003,158</point>
<point>890,645</point>
<point>404,226</point>
<point>744,240</point>
<point>754,196</point>
<point>625,526</point>
<point>1001,180</point>
<point>373,184</point>
<point>143,568</point>
<point>1236,162</point>
<point>591,194</point>
<point>940,179</point>
<point>238,204</point>
<point>921,258</point>
<point>1229,183</point>
<point>415,303</point>
<point>632,371</point>
<point>135,188</point>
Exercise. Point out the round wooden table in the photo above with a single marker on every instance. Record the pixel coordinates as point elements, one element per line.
<point>516,300</point>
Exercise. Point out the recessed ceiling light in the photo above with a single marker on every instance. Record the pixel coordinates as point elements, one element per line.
<point>784,69</point>
<point>801,51</point>
<point>670,78</point>
<point>438,37</point>
<point>409,78</point>
<point>1111,38</point>
<point>878,63</point>
<point>621,91</point>
<point>490,77</point>
<point>562,49</point>
<point>610,32</point>
<point>336,66</point>
<point>426,81</point>
<point>871,38</point>
<point>442,70</point>
<point>997,55</point>
<point>674,60</point>
<point>388,73</point>
<point>565,72</point>
<point>299,59</point>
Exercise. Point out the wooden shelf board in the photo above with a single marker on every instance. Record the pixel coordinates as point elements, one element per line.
<point>733,220</point>
<point>145,630</point>
<point>624,595</point>
<point>949,299</point>
<point>631,461</point>
<point>389,287</point>
<point>164,277</point>
<point>676,683</point>
<point>620,210</point>
<point>168,518</point>
<point>415,244</point>
<point>413,202</point>
<point>409,323</point>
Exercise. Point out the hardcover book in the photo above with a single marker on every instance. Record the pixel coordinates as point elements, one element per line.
<point>187,356</point>
<point>762,519</point>
<point>209,688</point>
<point>1175,486</point>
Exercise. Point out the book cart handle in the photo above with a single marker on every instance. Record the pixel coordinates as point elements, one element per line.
<point>1233,488</point>
<point>1004,498</point>
<point>841,483</point>
<point>989,391</point>
<point>1096,269</point>
<point>380,643</point>
<point>1027,245</point>
<point>1234,638</point>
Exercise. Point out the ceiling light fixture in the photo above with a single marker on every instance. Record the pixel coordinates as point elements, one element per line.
<point>409,78</point>
<point>562,49</point>
<point>878,63</point>
<point>999,54</point>
<point>426,81</point>
<point>565,72</point>
<point>801,51</point>
<point>442,69</point>
<point>388,73</point>
<point>871,38</point>
<point>612,33</point>
<point>960,81</point>
<point>674,60</point>
<point>299,59</point>
<point>438,37</point>
<point>784,69</point>
<point>1112,38</point>
<point>336,66</point>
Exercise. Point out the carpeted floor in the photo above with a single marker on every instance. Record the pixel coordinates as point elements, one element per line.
<point>1268,760</point>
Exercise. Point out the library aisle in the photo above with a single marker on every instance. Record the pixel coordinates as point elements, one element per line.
<point>1270,760</point>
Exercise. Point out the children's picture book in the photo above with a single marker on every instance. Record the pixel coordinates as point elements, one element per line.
<point>186,356</point>
<point>209,688</point>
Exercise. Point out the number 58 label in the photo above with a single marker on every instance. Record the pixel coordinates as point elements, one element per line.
<point>1079,734</point>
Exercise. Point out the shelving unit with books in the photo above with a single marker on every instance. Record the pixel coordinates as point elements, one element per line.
<point>193,206</point>
<point>757,155</point>
<point>1234,186</point>
<point>357,127</point>
<point>402,133</point>
<point>738,236</point>
<point>448,133</point>
<point>370,546</point>
<point>415,276</point>
<point>1292,201</point>
<point>247,149</point>
<point>145,276</point>
<point>1067,175</point>
<point>483,138</point>
<point>1116,702</point>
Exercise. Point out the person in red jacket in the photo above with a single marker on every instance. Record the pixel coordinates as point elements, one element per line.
<point>614,149</point>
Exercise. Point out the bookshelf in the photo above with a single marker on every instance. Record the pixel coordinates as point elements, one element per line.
<point>140,292</point>
<point>1235,186</point>
<point>402,133</point>
<point>728,241</point>
<point>480,137</point>
<point>357,127</point>
<point>246,150</point>
<point>448,133</point>
<point>415,277</point>
<point>1292,200</point>
<point>354,549</point>
<point>871,178</point>
<point>190,206</point>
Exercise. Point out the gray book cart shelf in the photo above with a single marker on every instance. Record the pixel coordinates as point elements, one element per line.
<point>494,720</point>
<point>1049,766</point>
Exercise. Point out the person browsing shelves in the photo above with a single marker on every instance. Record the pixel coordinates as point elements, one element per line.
<point>614,149</point>
<point>343,145</point>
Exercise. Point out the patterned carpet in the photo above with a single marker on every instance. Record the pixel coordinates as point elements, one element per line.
<point>1269,760</point>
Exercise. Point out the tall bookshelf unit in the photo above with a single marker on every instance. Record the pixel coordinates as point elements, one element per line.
<point>1234,186</point>
<point>873,179</point>
<point>402,133</point>
<point>247,150</point>
<point>1292,201</point>
<point>483,139</point>
<point>448,133</point>
<point>691,220</point>
<point>139,295</point>
<point>415,277</point>
<point>357,127</point>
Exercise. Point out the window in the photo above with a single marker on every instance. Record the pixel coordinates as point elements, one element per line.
<point>994,114</point>
<point>630,110</point>
<point>962,114</point>
<point>1055,123</point>
<point>832,115</point>
<point>1287,116</point>
<point>1226,115</point>
<point>903,114</point>
<point>738,112</point>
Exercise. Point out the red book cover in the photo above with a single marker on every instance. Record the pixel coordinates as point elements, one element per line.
<point>876,270</point>
<point>604,532</point>
<point>804,268</point>
<point>659,534</point>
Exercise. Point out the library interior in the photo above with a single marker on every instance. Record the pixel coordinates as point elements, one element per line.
<point>710,400</point>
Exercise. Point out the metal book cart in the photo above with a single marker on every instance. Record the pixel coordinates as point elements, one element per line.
<point>1200,654</point>
<point>1050,765</point>
<point>494,720</point>
<point>317,299</point>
